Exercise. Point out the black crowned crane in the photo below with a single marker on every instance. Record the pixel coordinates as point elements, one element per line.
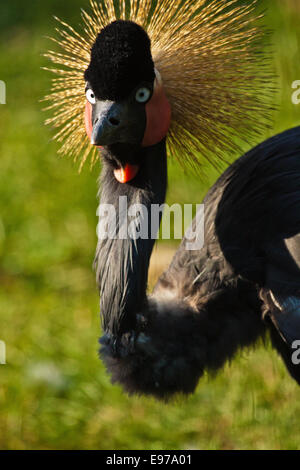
<point>193,92</point>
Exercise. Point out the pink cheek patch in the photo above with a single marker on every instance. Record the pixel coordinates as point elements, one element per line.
<point>88,120</point>
<point>158,115</point>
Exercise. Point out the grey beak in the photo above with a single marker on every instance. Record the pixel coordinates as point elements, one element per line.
<point>107,123</point>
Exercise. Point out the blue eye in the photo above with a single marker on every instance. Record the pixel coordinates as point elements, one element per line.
<point>90,96</point>
<point>142,95</point>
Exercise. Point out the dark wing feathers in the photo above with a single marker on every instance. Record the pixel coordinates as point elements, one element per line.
<point>252,232</point>
<point>258,227</point>
<point>260,209</point>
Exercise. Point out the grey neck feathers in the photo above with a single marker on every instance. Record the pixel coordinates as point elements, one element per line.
<point>122,262</point>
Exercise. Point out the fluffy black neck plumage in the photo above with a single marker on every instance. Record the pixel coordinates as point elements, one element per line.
<point>122,264</point>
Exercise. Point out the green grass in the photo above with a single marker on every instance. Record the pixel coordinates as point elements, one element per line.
<point>54,392</point>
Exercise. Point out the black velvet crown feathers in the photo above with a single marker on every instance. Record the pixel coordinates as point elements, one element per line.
<point>120,60</point>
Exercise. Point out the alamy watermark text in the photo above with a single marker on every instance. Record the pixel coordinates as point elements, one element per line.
<point>138,221</point>
<point>2,353</point>
<point>2,92</point>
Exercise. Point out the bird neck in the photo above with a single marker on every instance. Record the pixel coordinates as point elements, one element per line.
<point>127,234</point>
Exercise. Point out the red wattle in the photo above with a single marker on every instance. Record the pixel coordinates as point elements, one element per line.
<point>126,174</point>
<point>158,115</point>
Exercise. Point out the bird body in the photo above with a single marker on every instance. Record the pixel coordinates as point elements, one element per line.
<point>213,301</point>
<point>166,81</point>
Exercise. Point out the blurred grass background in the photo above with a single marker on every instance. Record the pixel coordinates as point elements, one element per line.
<point>54,393</point>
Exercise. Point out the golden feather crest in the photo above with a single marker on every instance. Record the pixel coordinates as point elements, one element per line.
<point>214,73</point>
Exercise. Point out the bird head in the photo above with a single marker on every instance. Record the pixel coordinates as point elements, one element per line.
<point>125,99</point>
<point>134,61</point>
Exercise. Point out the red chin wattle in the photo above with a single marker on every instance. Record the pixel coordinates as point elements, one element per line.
<point>126,174</point>
<point>158,118</point>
